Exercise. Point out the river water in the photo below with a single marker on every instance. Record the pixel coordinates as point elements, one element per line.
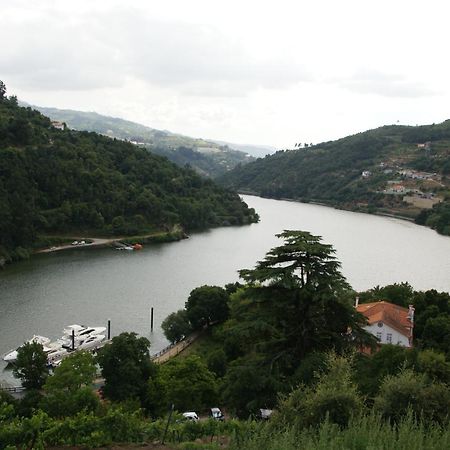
<point>90,286</point>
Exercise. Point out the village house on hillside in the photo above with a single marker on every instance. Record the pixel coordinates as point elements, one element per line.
<point>58,125</point>
<point>389,323</point>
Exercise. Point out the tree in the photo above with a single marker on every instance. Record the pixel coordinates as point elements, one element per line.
<point>296,299</point>
<point>74,372</point>
<point>206,305</point>
<point>411,391</point>
<point>68,390</point>
<point>31,366</point>
<point>2,90</point>
<point>334,396</point>
<point>126,366</point>
<point>176,326</point>
<point>188,384</point>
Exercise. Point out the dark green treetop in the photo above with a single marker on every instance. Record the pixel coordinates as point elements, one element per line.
<point>303,260</point>
<point>31,365</point>
<point>126,367</point>
<point>207,304</point>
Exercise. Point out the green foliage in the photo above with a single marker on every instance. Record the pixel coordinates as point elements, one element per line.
<point>333,397</point>
<point>176,326</point>
<point>68,391</point>
<point>330,172</point>
<point>74,372</point>
<point>188,384</point>
<point>363,432</point>
<point>409,391</point>
<point>207,305</point>
<point>432,312</point>
<point>434,365</point>
<point>398,293</point>
<point>125,364</point>
<point>54,181</point>
<point>205,157</point>
<point>295,303</point>
<point>371,370</point>
<point>249,385</point>
<point>31,365</point>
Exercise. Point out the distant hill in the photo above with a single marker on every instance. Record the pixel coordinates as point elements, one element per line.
<point>258,151</point>
<point>398,170</point>
<point>207,157</point>
<point>65,182</point>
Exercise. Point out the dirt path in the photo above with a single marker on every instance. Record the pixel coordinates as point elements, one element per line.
<point>93,242</point>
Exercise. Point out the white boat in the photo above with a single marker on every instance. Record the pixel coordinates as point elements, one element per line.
<point>82,330</point>
<point>79,333</point>
<point>87,343</point>
<point>75,337</point>
<point>11,356</point>
<point>92,342</point>
<point>56,355</point>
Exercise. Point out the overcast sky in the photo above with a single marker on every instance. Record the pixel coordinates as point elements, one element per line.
<point>256,72</point>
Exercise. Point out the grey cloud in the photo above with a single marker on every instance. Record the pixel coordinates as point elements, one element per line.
<point>98,51</point>
<point>386,85</point>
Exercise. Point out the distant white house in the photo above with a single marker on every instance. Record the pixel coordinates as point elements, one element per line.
<point>58,125</point>
<point>389,323</point>
<point>366,173</point>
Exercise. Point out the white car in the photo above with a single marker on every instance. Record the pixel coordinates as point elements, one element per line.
<point>216,413</point>
<point>190,415</point>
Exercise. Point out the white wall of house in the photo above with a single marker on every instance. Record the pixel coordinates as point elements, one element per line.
<point>387,335</point>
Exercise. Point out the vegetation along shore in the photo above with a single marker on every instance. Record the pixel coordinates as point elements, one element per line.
<point>286,339</point>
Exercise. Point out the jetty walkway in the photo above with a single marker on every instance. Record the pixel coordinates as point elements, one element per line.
<point>173,350</point>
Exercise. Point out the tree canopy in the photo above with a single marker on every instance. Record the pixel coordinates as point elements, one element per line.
<point>207,304</point>
<point>31,365</point>
<point>125,364</point>
<point>64,181</point>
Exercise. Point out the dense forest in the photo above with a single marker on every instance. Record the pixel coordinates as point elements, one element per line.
<point>286,338</point>
<point>61,182</point>
<point>393,169</point>
<point>206,157</point>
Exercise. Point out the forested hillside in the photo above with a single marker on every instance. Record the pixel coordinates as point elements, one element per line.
<point>393,169</point>
<point>60,182</point>
<point>206,157</point>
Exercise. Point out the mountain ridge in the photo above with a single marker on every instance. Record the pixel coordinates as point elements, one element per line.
<point>208,157</point>
<point>394,169</point>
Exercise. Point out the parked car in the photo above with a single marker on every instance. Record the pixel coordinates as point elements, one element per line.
<point>216,413</point>
<point>190,415</point>
<point>264,414</point>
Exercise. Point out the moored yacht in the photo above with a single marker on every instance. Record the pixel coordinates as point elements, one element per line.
<point>11,356</point>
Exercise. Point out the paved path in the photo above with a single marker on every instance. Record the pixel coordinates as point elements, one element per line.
<point>174,349</point>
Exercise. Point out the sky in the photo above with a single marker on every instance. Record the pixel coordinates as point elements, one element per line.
<point>250,72</point>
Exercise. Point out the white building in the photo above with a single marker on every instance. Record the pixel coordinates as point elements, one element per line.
<point>389,323</point>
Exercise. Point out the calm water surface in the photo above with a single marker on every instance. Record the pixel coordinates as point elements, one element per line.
<point>88,286</point>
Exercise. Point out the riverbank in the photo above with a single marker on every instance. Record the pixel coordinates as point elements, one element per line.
<point>391,214</point>
<point>175,234</point>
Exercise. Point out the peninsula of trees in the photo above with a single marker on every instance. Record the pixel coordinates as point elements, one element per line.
<point>57,182</point>
<point>400,170</point>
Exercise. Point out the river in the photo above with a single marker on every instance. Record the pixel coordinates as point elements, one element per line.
<point>88,286</point>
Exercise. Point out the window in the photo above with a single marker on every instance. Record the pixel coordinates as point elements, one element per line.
<point>389,338</point>
<point>379,336</point>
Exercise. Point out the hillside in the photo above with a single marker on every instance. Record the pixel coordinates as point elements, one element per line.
<point>55,182</point>
<point>397,170</point>
<point>208,158</point>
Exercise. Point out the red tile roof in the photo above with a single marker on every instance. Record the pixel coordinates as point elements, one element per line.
<point>393,315</point>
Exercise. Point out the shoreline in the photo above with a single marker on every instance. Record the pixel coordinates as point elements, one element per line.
<point>313,202</point>
<point>176,234</point>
